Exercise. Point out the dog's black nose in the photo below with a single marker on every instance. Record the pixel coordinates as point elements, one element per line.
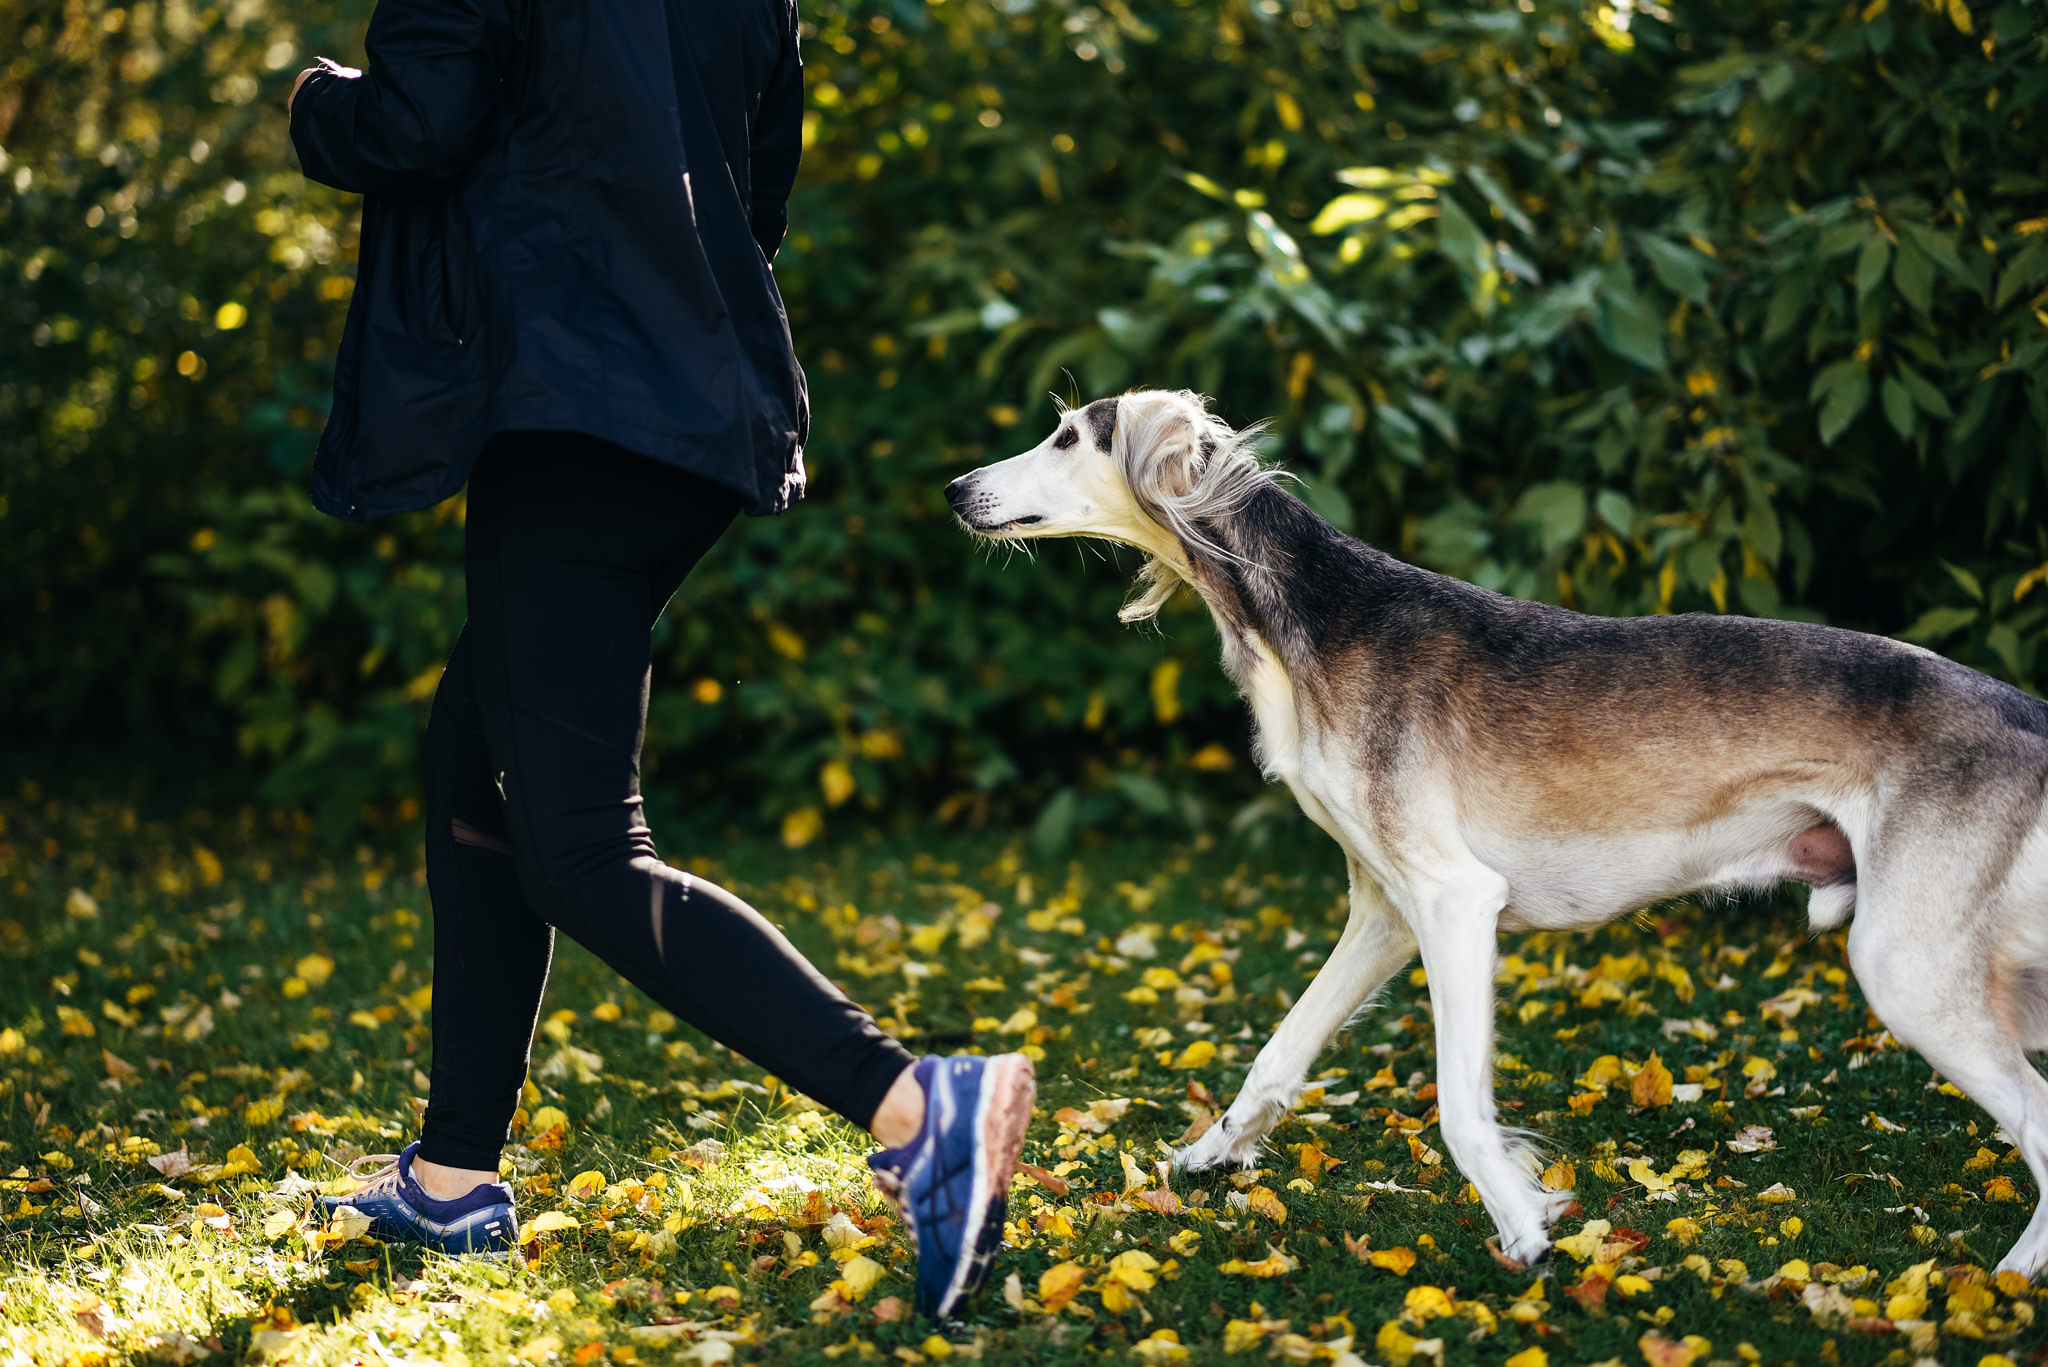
<point>956,492</point>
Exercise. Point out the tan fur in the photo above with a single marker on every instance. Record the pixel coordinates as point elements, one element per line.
<point>1487,764</point>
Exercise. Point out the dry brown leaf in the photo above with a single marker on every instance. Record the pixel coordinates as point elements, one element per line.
<point>1056,1185</point>
<point>1651,1086</point>
<point>1158,1199</point>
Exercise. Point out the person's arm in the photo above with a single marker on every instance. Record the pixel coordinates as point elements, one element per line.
<point>416,118</point>
<point>777,144</point>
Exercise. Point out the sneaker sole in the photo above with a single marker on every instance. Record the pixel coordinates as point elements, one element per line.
<point>1002,1114</point>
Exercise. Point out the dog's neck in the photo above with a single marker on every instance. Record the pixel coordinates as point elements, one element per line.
<point>1268,577</point>
<point>1272,547</point>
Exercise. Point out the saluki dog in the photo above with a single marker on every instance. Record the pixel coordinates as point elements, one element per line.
<point>1489,764</point>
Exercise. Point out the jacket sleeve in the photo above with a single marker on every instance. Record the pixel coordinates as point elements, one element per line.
<point>777,144</point>
<point>417,116</point>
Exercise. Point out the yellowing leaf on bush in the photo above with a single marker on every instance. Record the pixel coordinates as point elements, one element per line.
<point>1059,1284</point>
<point>1398,1261</point>
<point>801,827</point>
<point>1651,1086</point>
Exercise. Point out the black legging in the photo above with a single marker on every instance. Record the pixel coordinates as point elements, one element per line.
<point>533,812</point>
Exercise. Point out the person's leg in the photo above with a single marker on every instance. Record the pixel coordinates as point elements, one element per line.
<point>572,544</point>
<point>491,949</point>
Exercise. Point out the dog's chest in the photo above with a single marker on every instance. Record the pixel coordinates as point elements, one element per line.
<point>1269,689</point>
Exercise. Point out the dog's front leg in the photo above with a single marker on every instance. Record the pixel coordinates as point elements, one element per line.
<point>1456,923</point>
<point>1374,944</point>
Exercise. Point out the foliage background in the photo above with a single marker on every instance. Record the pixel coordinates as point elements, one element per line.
<point>1707,307</point>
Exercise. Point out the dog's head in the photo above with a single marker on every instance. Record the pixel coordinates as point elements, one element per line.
<point>1152,469</point>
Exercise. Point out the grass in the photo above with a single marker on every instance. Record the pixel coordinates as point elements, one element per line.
<point>215,988</point>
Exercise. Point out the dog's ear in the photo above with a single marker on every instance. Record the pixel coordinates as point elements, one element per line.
<point>1163,445</point>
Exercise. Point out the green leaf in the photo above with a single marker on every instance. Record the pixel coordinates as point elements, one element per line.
<point>1914,275</point>
<point>1965,578</point>
<point>236,668</point>
<point>1788,305</point>
<point>1615,510</point>
<point>1055,824</point>
<point>1760,530</point>
<point>2026,270</point>
<point>1347,211</point>
<point>1681,270</point>
<point>1459,238</point>
<point>1324,499</point>
<point>1937,247</point>
<point>1898,406</point>
<point>1936,623</point>
<point>1930,399</point>
<point>1629,328</point>
<point>1842,390</point>
<point>1558,510</point>
<point>1148,795</point>
<point>1871,263</point>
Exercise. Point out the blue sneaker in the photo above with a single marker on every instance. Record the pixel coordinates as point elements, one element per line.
<point>400,1210</point>
<point>952,1183</point>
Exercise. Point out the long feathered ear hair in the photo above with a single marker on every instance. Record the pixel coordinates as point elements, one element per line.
<point>1185,467</point>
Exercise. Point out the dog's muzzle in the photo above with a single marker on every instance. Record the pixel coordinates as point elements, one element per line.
<point>959,494</point>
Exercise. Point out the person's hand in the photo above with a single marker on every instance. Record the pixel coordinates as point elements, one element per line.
<point>331,67</point>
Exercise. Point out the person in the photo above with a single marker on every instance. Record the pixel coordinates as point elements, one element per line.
<point>564,298</point>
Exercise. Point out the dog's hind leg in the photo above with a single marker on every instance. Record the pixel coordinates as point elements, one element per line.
<point>1952,997</point>
<point>1374,944</point>
<point>1456,916</point>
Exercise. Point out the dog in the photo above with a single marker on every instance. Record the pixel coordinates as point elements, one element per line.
<point>1489,764</point>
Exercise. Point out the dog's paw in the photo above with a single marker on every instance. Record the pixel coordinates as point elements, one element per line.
<point>1223,1146</point>
<point>1520,1250</point>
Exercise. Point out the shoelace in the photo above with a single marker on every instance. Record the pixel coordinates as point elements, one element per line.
<point>379,1179</point>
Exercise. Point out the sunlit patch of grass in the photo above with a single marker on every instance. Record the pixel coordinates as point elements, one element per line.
<point>199,1023</point>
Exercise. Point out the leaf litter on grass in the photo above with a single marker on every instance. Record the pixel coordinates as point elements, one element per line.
<point>191,1045</point>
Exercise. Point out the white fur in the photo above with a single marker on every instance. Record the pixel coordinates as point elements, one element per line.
<point>1437,868</point>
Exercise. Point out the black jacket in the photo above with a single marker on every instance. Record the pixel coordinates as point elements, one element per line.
<point>571,207</point>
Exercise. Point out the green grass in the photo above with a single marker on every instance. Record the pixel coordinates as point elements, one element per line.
<point>214,985</point>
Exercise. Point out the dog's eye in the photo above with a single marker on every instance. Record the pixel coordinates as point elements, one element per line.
<point>1067,437</point>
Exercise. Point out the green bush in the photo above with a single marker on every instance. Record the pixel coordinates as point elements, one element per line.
<point>1734,308</point>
